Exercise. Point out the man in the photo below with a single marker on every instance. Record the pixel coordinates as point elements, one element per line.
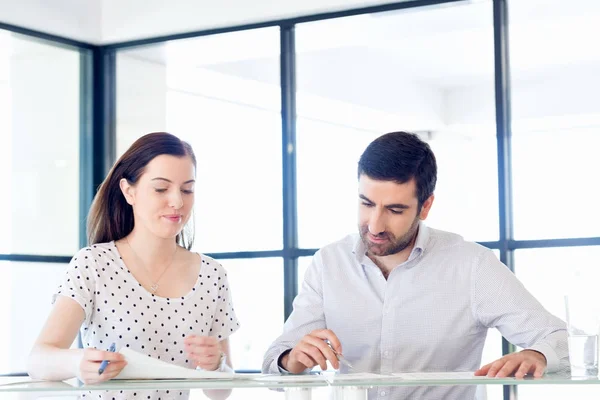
<point>402,297</point>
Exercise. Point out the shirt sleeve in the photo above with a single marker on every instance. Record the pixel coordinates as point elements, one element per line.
<point>307,316</point>
<point>500,300</point>
<point>79,282</point>
<point>225,322</point>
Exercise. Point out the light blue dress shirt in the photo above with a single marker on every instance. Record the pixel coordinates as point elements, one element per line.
<point>431,314</point>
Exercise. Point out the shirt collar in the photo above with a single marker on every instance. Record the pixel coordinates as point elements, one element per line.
<point>422,237</point>
<point>359,249</point>
<point>420,242</point>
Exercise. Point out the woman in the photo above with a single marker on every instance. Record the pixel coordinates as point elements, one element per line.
<point>138,285</point>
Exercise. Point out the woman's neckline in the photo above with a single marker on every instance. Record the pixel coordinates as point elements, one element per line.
<point>121,263</point>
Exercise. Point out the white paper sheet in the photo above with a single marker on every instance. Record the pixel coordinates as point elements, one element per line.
<point>140,366</point>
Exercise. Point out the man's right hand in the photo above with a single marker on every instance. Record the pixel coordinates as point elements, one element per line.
<point>311,351</point>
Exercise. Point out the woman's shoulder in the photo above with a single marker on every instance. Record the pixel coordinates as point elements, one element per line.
<point>86,265</point>
<point>209,264</point>
<point>96,253</point>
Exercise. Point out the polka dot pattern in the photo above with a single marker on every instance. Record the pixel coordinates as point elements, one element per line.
<point>118,309</point>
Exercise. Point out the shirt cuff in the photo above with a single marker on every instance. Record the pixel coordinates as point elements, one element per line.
<point>282,370</point>
<point>552,361</point>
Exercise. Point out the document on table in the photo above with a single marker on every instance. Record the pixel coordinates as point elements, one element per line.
<point>141,366</point>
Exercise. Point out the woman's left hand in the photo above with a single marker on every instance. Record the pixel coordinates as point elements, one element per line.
<point>205,351</point>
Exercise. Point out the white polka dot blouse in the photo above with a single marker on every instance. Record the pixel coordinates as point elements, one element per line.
<point>119,309</point>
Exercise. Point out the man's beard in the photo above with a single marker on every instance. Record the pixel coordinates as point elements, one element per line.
<point>393,245</point>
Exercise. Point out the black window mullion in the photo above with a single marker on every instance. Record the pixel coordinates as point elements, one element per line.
<point>503,135</point>
<point>288,145</point>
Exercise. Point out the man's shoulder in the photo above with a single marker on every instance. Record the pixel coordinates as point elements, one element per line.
<point>444,240</point>
<point>344,245</point>
<point>338,255</point>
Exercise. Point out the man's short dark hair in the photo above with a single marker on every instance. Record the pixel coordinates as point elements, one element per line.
<point>400,157</point>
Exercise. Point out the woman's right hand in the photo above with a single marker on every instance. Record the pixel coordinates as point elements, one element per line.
<point>89,364</point>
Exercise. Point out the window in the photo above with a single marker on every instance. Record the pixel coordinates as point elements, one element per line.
<point>257,289</point>
<point>238,192</point>
<point>562,269</point>
<point>26,291</point>
<point>221,94</point>
<point>39,169</point>
<point>362,76</point>
<point>39,151</point>
<point>556,118</point>
<point>549,274</point>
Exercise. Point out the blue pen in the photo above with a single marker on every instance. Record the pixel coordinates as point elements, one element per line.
<point>104,363</point>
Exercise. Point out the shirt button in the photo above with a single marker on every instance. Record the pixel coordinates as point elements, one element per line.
<point>382,393</point>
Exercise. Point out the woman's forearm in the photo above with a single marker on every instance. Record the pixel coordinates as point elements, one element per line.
<point>52,363</point>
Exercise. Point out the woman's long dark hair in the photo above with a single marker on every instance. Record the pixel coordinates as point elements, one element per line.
<point>111,217</point>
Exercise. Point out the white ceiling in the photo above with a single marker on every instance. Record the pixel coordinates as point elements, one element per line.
<point>75,19</point>
<point>109,21</point>
<point>443,46</point>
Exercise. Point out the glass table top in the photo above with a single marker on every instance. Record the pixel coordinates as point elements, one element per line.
<point>26,384</point>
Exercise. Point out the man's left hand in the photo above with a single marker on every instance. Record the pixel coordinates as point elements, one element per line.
<point>521,363</point>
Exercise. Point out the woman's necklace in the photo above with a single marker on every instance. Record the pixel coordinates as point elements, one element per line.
<point>155,285</point>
